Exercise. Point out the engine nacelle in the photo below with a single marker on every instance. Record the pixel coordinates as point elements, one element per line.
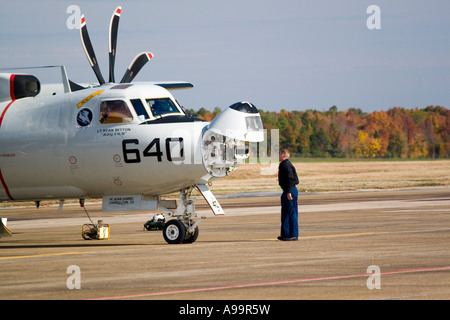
<point>223,147</point>
<point>18,86</point>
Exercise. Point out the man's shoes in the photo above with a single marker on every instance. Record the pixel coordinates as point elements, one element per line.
<point>287,239</point>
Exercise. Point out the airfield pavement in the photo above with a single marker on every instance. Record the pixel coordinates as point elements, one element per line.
<point>391,244</point>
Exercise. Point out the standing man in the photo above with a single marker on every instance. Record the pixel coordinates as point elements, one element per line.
<point>287,179</point>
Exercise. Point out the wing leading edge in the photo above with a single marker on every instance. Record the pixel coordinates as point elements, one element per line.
<point>173,85</point>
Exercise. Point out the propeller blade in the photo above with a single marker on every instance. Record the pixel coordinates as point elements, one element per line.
<point>113,28</point>
<point>136,65</point>
<point>89,50</point>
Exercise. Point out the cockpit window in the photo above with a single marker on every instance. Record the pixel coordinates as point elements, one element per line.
<point>115,111</point>
<point>162,106</point>
<point>140,109</point>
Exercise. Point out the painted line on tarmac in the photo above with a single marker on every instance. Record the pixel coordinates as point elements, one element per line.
<point>331,236</point>
<point>364,234</point>
<point>343,235</point>
<point>43,255</point>
<point>250,285</point>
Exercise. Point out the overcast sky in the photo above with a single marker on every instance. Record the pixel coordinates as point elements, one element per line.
<point>283,54</point>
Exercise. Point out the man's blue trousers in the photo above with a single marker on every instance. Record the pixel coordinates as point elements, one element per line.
<point>289,215</point>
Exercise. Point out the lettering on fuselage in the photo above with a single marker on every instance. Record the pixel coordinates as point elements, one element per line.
<point>112,132</point>
<point>121,201</point>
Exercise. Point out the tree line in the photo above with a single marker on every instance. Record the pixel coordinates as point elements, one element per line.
<point>395,133</point>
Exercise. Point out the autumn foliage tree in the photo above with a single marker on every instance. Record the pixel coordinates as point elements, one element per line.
<point>395,133</point>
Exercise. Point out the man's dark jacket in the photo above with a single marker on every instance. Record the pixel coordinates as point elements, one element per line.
<point>287,176</point>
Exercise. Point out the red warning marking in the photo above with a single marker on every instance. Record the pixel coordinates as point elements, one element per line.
<point>2,180</point>
<point>11,87</point>
<point>269,283</point>
<point>5,186</point>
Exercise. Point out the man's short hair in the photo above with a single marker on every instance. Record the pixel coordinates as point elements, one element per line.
<point>285,152</point>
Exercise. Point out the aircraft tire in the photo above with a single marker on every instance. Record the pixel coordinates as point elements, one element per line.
<point>193,237</point>
<point>174,232</point>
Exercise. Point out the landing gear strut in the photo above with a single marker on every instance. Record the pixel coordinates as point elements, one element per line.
<point>181,229</point>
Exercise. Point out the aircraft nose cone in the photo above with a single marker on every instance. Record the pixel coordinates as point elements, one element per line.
<point>244,106</point>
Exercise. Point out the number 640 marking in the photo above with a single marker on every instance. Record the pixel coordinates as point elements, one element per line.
<point>131,155</point>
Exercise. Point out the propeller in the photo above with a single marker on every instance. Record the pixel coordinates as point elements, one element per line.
<point>113,28</point>
<point>89,50</point>
<point>136,65</point>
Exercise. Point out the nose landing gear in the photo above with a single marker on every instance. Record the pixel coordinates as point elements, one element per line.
<point>182,229</point>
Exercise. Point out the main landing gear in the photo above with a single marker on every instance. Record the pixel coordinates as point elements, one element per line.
<point>181,229</point>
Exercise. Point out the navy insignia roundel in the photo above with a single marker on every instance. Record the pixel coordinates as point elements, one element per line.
<point>84,117</point>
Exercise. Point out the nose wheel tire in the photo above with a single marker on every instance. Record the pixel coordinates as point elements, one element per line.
<point>174,232</point>
<point>191,238</point>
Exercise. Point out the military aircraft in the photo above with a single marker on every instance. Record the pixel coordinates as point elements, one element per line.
<point>127,143</point>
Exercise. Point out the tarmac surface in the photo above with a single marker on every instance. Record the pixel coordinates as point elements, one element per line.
<point>352,245</point>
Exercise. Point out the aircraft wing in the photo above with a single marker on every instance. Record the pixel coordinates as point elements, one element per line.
<point>174,85</point>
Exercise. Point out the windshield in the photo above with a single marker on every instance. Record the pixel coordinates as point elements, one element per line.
<point>162,106</point>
